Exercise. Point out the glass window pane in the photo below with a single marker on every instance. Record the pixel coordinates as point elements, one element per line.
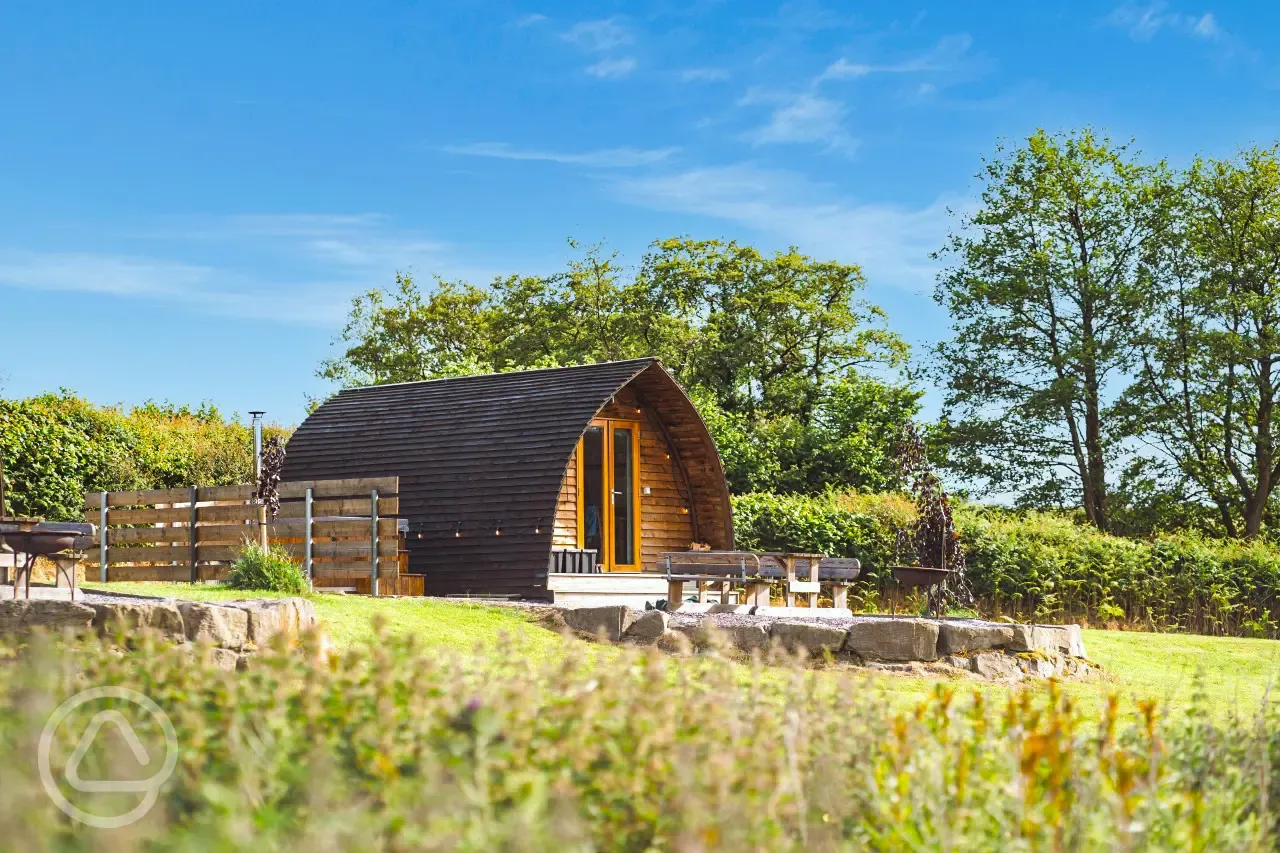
<point>623,499</point>
<point>592,486</point>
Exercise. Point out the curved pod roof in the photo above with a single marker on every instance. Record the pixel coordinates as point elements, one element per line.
<point>481,459</point>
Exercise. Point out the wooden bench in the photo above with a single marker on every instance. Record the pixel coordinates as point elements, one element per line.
<point>837,573</point>
<point>724,569</point>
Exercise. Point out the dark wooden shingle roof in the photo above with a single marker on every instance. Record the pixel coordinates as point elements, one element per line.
<point>474,454</point>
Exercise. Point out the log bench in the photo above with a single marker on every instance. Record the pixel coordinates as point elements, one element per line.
<point>723,569</point>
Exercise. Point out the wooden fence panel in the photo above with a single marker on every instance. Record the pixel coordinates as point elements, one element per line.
<point>149,532</point>
<point>352,488</point>
<point>150,535</point>
<point>149,554</point>
<point>340,507</point>
<point>170,515</point>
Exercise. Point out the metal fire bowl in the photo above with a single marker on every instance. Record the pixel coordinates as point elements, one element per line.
<point>919,576</point>
<point>43,538</point>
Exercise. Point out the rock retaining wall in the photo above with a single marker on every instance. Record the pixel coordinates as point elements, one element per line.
<point>229,631</point>
<point>990,650</point>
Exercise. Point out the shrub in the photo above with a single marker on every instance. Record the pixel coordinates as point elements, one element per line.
<point>1039,565</point>
<point>266,569</point>
<point>56,447</point>
<point>389,748</point>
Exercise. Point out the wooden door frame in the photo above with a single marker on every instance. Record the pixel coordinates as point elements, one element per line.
<point>608,425</point>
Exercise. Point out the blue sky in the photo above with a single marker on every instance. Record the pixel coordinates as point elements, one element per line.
<point>190,194</point>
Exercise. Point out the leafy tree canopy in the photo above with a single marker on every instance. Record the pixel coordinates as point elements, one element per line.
<point>784,355</point>
<point>1208,385</point>
<point>1046,288</point>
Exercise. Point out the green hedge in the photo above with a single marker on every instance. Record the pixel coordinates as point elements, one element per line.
<point>58,446</point>
<point>1040,565</point>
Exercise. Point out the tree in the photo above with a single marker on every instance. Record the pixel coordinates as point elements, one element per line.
<point>1206,392</point>
<point>578,316</point>
<point>847,444</point>
<point>774,347</point>
<point>1045,291</point>
<point>404,337</point>
<point>767,335</point>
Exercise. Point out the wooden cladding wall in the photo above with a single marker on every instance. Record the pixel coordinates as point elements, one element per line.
<point>196,533</point>
<point>566,525</point>
<point>694,461</point>
<point>666,517</point>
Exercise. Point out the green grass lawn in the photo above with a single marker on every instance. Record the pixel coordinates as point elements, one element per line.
<point>455,627</point>
<point>1234,675</point>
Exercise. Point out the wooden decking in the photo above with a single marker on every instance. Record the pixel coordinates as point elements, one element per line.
<point>633,589</point>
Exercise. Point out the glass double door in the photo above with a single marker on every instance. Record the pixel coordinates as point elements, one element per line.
<point>609,494</point>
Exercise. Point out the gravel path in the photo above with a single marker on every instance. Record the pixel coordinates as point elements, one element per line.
<point>99,597</point>
<point>731,620</point>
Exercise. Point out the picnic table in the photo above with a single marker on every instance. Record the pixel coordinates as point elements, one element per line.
<point>756,572</point>
<point>790,565</point>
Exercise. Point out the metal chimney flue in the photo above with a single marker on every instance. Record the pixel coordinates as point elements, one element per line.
<point>257,446</point>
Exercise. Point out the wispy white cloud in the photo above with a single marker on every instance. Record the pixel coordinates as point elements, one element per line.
<point>598,36</point>
<point>709,75</point>
<point>809,16</point>
<point>294,269</point>
<point>949,54</point>
<point>603,36</point>
<point>803,117</point>
<point>1143,22</point>
<point>892,242</point>
<point>139,277</point>
<point>529,20</point>
<point>605,158</point>
<point>350,241</point>
<point>612,68</point>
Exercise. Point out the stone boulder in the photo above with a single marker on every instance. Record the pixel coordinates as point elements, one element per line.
<point>225,627</point>
<point>272,617</point>
<point>129,616</point>
<point>971,636</point>
<point>675,643</point>
<point>693,633</point>
<point>611,620</point>
<point>894,638</point>
<point>1058,639</point>
<point>648,627</point>
<point>1043,667</point>
<point>813,637</point>
<point>226,659</point>
<point>219,658</point>
<point>22,615</point>
<point>745,638</point>
<point>996,665</point>
<point>726,636</point>
<point>1022,639</point>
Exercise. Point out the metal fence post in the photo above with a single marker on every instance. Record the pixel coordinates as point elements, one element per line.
<point>307,529</point>
<point>373,560</point>
<point>191,528</point>
<point>102,538</point>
